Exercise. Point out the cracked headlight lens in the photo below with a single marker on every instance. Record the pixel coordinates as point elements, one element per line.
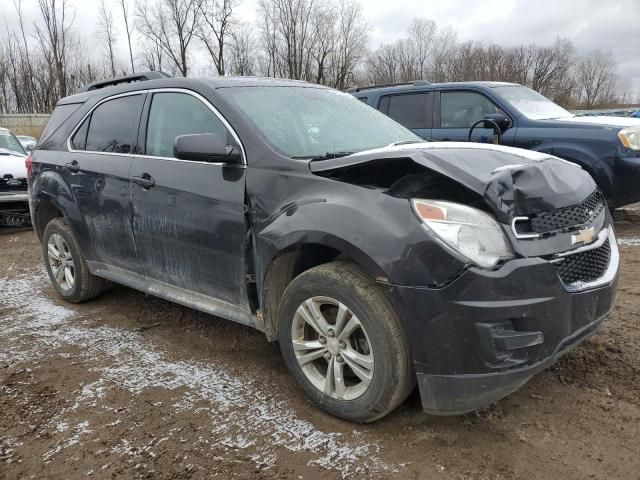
<point>472,233</point>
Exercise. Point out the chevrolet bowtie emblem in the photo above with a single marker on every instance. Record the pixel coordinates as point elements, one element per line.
<point>585,236</point>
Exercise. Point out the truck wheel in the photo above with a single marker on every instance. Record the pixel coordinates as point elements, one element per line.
<point>344,343</point>
<point>66,265</point>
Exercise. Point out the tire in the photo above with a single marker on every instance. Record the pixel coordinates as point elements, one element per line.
<point>84,286</point>
<point>338,292</point>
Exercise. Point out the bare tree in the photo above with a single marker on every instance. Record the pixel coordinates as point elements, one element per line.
<point>595,76</point>
<point>152,55</point>
<point>351,45</point>
<point>54,36</point>
<point>171,25</point>
<point>217,18</point>
<point>421,41</point>
<point>241,50</point>
<point>124,6</point>
<point>323,41</point>
<point>288,26</point>
<point>107,35</point>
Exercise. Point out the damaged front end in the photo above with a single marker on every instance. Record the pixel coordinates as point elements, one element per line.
<point>482,333</point>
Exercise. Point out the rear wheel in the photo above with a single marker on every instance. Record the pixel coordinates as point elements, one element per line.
<point>344,343</point>
<point>66,265</point>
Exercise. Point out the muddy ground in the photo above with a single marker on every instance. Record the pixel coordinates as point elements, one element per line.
<point>130,386</point>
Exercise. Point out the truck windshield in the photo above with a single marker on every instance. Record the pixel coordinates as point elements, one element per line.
<point>308,122</point>
<point>8,142</point>
<point>531,104</point>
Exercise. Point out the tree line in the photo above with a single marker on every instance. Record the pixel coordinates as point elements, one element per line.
<point>46,57</point>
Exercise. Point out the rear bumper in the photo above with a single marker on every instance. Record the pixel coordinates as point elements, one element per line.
<point>487,333</point>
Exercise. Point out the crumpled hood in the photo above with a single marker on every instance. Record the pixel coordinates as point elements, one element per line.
<point>622,122</point>
<point>512,181</point>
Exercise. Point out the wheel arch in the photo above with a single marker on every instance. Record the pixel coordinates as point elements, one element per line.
<point>297,257</point>
<point>51,198</point>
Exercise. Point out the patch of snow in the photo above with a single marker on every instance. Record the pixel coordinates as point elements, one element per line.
<point>629,242</point>
<point>78,431</point>
<point>236,408</point>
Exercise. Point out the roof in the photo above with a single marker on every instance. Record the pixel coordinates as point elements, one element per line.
<point>421,85</point>
<point>130,83</point>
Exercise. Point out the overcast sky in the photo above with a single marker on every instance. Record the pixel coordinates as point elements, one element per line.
<point>610,25</point>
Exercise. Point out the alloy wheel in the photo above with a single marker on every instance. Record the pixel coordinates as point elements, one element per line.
<point>61,262</point>
<point>332,348</point>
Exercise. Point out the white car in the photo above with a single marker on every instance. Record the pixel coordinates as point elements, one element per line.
<point>14,201</point>
<point>28,142</point>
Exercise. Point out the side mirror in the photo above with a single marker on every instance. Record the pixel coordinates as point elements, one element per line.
<point>503,121</point>
<point>206,147</point>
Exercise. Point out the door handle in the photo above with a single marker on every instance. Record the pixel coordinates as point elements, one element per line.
<point>145,180</point>
<point>72,166</point>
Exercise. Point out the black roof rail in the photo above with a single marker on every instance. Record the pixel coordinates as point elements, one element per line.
<point>112,82</point>
<point>383,85</point>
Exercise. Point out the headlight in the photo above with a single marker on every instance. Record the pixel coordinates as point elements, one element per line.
<point>470,232</point>
<point>630,138</point>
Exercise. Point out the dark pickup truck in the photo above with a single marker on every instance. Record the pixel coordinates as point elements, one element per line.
<point>606,147</point>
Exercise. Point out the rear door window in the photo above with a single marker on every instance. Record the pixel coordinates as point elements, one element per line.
<point>463,109</point>
<point>112,126</point>
<point>410,109</point>
<point>173,114</point>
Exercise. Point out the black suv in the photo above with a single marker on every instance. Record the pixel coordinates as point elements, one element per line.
<point>606,147</point>
<point>375,259</point>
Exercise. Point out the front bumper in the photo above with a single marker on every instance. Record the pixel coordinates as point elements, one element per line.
<point>487,333</point>
<point>14,209</point>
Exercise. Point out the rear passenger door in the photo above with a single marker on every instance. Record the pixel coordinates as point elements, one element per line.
<point>457,111</point>
<point>188,216</point>
<point>97,172</point>
<point>413,110</point>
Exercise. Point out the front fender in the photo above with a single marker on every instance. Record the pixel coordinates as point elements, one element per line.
<point>386,240</point>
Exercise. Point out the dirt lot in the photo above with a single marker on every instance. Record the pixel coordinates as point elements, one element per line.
<point>129,386</point>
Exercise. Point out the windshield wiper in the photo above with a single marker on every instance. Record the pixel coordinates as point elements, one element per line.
<point>326,156</point>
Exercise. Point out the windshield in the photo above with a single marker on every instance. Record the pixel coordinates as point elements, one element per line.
<point>531,104</point>
<point>9,142</point>
<point>316,122</point>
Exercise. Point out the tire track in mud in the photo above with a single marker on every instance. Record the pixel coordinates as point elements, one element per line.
<point>241,414</point>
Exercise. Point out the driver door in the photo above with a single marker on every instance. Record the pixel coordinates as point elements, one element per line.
<point>188,216</point>
<point>457,111</point>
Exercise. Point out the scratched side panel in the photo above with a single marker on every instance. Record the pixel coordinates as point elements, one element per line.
<point>190,227</point>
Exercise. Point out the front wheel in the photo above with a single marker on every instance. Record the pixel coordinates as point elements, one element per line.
<point>343,342</point>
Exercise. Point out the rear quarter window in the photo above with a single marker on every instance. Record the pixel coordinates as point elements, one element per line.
<point>60,115</point>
